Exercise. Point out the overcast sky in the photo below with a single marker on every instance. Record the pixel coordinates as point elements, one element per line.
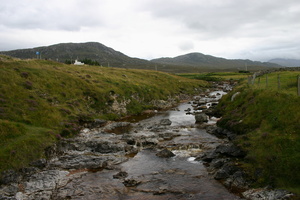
<point>252,29</point>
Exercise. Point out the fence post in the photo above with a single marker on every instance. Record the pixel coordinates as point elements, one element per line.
<point>278,79</point>
<point>298,85</point>
<point>266,80</point>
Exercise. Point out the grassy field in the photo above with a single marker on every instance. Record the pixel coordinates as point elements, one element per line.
<point>216,76</point>
<point>267,121</point>
<point>285,82</point>
<point>42,101</point>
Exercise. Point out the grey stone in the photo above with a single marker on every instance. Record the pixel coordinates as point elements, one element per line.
<point>165,153</point>
<point>265,194</point>
<point>165,122</point>
<point>201,118</point>
<point>230,150</point>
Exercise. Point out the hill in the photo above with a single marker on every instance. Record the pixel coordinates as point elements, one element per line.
<point>106,56</point>
<point>42,101</point>
<point>70,51</point>
<point>286,62</point>
<point>214,63</point>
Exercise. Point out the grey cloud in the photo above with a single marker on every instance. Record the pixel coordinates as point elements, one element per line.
<point>49,15</point>
<point>186,46</point>
<point>220,18</point>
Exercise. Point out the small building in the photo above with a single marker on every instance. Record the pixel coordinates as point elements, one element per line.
<point>78,63</point>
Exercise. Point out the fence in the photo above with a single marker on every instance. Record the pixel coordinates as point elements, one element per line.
<point>271,81</point>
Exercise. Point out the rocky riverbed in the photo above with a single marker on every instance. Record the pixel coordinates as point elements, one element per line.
<point>175,154</point>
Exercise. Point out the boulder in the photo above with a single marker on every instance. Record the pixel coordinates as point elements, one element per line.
<point>230,150</point>
<point>201,118</point>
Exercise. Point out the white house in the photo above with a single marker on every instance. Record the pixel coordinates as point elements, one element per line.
<point>78,63</point>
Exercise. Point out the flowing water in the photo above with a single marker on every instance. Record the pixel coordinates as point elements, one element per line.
<point>147,176</point>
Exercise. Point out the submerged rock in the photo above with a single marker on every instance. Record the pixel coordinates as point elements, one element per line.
<point>165,153</point>
<point>120,175</point>
<point>165,122</point>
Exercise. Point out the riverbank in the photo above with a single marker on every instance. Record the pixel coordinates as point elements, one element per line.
<point>266,126</point>
<point>43,101</point>
<point>153,158</point>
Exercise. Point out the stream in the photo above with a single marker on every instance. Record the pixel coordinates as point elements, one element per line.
<point>122,160</point>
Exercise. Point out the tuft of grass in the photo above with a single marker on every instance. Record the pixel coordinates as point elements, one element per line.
<point>267,121</point>
<point>21,144</point>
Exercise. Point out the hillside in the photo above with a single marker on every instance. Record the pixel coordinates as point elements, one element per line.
<point>106,56</point>
<point>214,63</point>
<point>286,62</point>
<point>70,51</point>
<point>266,121</point>
<point>42,101</point>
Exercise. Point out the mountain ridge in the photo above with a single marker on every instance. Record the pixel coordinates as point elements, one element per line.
<point>286,62</point>
<point>106,56</point>
<point>199,59</point>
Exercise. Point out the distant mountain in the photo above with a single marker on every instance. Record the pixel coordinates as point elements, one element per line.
<point>71,51</point>
<point>207,61</point>
<point>106,56</point>
<point>286,62</point>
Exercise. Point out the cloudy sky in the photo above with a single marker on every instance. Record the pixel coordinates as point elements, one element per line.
<point>252,29</point>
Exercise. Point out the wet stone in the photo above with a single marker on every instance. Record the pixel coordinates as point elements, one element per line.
<point>165,122</point>
<point>120,175</point>
<point>131,182</point>
<point>165,153</point>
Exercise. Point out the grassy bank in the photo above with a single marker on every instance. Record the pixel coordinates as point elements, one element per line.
<point>267,121</point>
<point>41,101</point>
<point>216,76</point>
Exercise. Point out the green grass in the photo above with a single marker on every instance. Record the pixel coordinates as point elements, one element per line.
<point>288,82</point>
<point>42,100</point>
<point>216,76</point>
<point>267,121</point>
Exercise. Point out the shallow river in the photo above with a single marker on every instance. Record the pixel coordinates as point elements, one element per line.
<point>153,177</point>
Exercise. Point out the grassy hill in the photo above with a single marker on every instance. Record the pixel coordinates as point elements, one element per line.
<point>200,60</point>
<point>42,101</point>
<point>106,56</point>
<point>267,121</point>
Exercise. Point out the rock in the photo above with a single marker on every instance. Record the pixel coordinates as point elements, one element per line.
<point>218,163</point>
<point>220,132</point>
<point>265,194</point>
<point>105,146</point>
<point>80,162</point>
<point>188,109</point>
<point>165,122</point>
<point>165,153</point>
<point>44,181</point>
<point>237,181</point>
<point>131,182</point>
<point>208,157</point>
<point>41,163</point>
<point>120,175</point>
<point>201,118</point>
<point>98,123</point>
<point>230,150</point>
<point>10,176</point>
<point>203,107</point>
<point>225,172</point>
